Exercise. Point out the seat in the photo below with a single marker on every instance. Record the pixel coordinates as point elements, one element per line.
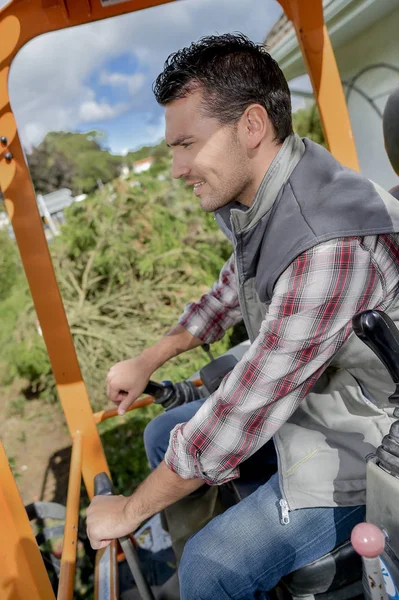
<point>339,569</point>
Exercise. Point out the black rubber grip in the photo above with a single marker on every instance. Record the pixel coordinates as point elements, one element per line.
<point>103,485</point>
<point>381,335</point>
<point>154,389</point>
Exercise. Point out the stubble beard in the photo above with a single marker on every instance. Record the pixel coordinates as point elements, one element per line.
<point>234,186</point>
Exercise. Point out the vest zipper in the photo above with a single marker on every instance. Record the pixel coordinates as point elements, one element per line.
<point>285,517</point>
<point>284,507</point>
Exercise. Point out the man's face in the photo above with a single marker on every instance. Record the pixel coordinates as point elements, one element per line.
<point>208,155</point>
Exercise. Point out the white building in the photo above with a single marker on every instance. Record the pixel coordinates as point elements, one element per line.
<point>365,38</point>
<point>142,165</point>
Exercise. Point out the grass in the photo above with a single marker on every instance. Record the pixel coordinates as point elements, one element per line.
<point>16,407</point>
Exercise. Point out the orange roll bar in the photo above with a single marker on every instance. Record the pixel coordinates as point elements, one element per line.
<point>20,22</point>
<point>22,572</point>
<point>68,559</point>
<point>318,55</point>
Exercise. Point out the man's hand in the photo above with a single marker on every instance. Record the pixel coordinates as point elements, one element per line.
<point>107,520</point>
<point>126,381</point>
<point>110,517</point>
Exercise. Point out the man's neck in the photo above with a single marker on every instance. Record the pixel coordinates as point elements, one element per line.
<point>261,165</point>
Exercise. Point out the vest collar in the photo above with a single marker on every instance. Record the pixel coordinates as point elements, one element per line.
<point>243,218</point>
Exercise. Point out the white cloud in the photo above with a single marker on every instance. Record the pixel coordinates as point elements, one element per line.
<point>132,82</point>
<point>95,111</point>
<point>52,80</point>
<point>34,132</point>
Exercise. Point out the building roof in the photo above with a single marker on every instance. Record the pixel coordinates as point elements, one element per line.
<point>344,19</point>
<point>143,161</point>
<point>58,200</point>
<point>281,27</point>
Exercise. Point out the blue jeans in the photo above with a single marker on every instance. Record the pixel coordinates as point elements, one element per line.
<point>244,552</point>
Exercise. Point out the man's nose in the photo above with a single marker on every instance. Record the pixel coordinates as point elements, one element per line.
<point>179,169</point>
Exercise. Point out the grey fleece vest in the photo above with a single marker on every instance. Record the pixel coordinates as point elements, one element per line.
<point>307,198</point>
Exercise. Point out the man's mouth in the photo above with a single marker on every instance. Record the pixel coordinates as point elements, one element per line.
<point>198,184</point>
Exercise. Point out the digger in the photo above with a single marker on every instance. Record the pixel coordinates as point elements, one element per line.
<point>263,286</point>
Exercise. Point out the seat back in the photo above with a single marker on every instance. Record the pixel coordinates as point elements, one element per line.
<point>390,125</point>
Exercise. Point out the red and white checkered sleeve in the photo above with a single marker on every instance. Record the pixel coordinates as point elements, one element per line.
<point>308,320</point>
<point>217,310</point>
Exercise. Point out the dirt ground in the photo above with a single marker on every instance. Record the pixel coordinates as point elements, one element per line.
<point>38,447</point>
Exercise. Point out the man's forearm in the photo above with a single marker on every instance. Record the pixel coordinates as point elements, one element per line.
<point>175,342</point>
<point>161,489</point>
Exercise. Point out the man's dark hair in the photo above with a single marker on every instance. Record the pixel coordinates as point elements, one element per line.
<point>233,73</point>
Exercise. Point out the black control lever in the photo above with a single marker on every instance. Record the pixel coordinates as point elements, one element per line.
<point>381,335</point>
<point>171,394</point>
<point>160,392</point>
<point>103,487</point>
<point>154,389</point>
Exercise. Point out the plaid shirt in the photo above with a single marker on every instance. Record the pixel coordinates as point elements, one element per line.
<point>308,320</point>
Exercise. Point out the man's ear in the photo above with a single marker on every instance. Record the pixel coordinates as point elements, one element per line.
<point>257,124</point>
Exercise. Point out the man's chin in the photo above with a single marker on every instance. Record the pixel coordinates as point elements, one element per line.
<point>207,205</point>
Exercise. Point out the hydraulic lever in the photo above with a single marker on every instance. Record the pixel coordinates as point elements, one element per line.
<point>381,335</point>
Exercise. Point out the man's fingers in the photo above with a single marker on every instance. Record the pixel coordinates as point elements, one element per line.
<point>98,545</point>
<point>126,402</point>
<point>114,393</point>
<point>108,383</point>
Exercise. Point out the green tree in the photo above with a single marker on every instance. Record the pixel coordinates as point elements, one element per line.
<point>143,152</point>
<point>9,265</point>
<point>73,160</point>
<point>307,123</point>
<point>50,169</point>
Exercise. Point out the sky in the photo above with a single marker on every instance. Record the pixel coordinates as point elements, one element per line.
<point>100,76</point>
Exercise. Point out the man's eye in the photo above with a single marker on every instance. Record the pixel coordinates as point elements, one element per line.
<point>187,144</point>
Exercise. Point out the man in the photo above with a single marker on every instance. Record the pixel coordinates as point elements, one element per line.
<point>313,244</point>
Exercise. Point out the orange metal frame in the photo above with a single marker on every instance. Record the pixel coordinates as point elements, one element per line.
<point>21,21</point>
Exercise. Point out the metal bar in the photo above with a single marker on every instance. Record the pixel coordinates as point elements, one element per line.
<point>103,415</point>
<point>318,55</point>
<point>106,573</point>
<point>375,578</point>
<point>135,568</point>
<point>22,573</point>
<point>69,548</point>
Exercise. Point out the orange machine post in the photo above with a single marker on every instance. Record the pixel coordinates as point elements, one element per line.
<point>314,41</point>
<point>22,573</point>
<point>69,547</point>
<point>20,21</point>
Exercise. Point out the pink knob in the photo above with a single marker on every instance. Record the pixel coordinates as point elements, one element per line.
<point>368,540</point>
